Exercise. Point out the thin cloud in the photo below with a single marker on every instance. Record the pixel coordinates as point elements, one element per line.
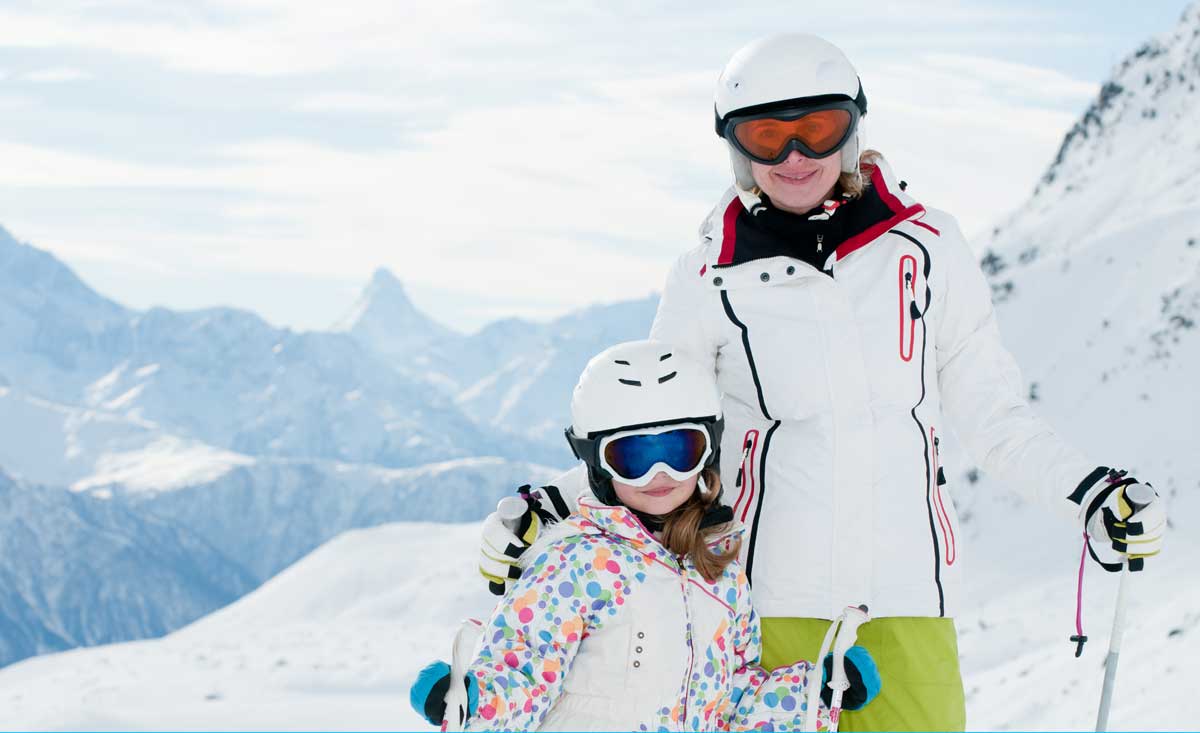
<point>565,152</point>
<point>55,75</point>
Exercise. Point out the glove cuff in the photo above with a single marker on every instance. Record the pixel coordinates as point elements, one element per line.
<point>861,673</point>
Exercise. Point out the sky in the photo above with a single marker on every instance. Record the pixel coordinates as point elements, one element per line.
<point>501,158</point>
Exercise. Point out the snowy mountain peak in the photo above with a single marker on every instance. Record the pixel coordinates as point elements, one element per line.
<point>384,280</point>
<point>385,319</point>
<point>1134,148</point>
<point>29,274</point>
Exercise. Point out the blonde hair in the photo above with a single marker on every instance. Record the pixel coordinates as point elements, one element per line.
<point>851,185</point>
<point>682,534</point>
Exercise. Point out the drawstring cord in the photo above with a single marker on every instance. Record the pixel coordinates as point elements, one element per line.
<point>1079,638</point>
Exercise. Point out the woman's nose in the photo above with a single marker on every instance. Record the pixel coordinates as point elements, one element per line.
<point>794,157</point>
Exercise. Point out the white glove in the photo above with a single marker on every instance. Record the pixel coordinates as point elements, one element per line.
<point>512,528</point>
<point>1123,519</point>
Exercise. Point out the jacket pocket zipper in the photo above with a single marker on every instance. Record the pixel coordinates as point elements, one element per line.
<point>745,482</point>
<point>908,300</point>
<point>939,479</point>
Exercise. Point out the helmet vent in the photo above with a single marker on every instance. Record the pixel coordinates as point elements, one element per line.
<point>667,377</point>
<point>622,362</point>
<point>630,382</point>
<point>665,356</point>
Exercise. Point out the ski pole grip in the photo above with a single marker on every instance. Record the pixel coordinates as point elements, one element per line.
<point>853,617</point>
<point>1139,496</point>
<point>515,514</point>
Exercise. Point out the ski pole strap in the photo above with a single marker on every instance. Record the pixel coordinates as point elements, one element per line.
<point>1079,638</point>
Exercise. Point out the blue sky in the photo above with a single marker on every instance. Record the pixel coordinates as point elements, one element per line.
<point>501,158</point>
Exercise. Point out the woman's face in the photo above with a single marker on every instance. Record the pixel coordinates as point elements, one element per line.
<point>659,497</point>
<point>798,184</point>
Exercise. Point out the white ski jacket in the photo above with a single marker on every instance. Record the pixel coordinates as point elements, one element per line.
<point>837,386</point>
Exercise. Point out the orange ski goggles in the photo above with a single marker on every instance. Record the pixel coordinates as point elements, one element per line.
<point>769,136</point>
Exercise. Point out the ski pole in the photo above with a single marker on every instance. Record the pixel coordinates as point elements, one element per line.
<point>852,618</point>
<point>814,683</point>
<point>1144,497</point>
<point>457,698</point>
<point>1114,652</point>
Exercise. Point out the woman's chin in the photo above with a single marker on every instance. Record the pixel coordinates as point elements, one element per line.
<point>796,199</point>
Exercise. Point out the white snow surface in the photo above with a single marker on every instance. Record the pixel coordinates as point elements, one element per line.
<point>167,464</point>
<point>331,643</point>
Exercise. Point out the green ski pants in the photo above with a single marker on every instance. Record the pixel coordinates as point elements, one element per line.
<point>921,687</point>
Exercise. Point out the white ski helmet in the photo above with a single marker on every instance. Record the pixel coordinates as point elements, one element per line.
<point>783,70</point>
<point>640,384</point>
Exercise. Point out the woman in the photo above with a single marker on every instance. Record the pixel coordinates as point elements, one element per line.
<point>844,321</point>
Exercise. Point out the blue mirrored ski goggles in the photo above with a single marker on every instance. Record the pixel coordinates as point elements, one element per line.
<point>635,457</point>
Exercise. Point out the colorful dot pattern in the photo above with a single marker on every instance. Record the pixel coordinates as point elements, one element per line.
<point>579,583</point>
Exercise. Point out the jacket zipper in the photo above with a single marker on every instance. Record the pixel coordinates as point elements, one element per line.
<point>745,478</point>
<point>908,299</point>
<point>931,477</point>
<point>687,612</point>
<point>939,502</point>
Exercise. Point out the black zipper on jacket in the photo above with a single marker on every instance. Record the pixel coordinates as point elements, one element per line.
<point>766,443</point>
<point>762,491</point>
<point>762,403</point>
<point>937,559</point>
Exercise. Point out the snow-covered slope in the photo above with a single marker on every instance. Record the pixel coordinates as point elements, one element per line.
<point>164,545</point>
<point>79,570</point>
<point>1099,273</point>
<point>1097,279</point>
<point>332,643</point>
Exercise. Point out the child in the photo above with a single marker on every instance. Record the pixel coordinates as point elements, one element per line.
<point>634,612</point>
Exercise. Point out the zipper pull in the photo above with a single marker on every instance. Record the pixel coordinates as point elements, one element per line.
<point>742,466</point>
<point>820,241</point>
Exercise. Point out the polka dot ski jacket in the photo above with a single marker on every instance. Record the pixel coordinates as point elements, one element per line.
<point>607,630</point>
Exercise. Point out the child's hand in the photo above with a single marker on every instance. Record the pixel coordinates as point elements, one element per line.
<point>428,694</point>
<point>507,533</point>
<point>862,674</point>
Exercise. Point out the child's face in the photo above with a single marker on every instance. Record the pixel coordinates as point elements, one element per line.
<point>658,497</point>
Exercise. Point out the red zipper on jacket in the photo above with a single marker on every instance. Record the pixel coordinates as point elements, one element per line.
<point>942,515</point>
<point>908,296</point>
<point>745,478</point>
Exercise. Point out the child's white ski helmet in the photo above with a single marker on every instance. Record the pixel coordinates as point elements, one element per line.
<point>786,70</point>
<point>640,384</point>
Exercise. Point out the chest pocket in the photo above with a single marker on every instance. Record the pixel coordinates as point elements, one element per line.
<point>774,360</point>
<point>895,312</point>
<point>640,652</point>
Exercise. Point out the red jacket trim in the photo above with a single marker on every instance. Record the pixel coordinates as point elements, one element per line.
<point>901,213</point>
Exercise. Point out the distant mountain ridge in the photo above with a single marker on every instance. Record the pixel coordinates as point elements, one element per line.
<point>224,376</point>
<point>76,570</point>
<point>212,429</point>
